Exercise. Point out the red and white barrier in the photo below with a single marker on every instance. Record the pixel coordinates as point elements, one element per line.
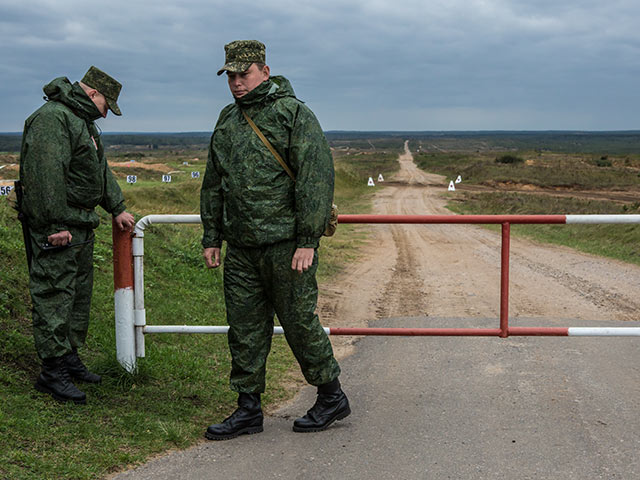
<point>131,318</point>
<point>123,298</point>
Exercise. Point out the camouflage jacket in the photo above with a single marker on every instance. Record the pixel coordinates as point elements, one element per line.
<point>247,198</point>
<point>62,164</point>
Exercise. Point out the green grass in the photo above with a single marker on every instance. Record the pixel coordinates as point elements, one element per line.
<point>546,170</point>
<point>550,171</point>
<point>182,384</point>
<point>621,242</point>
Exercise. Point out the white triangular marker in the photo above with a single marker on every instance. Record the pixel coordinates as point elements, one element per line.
<point>371,184</point>
<point>459,179</point>
<point>452,187</point>
<point>380,179</point>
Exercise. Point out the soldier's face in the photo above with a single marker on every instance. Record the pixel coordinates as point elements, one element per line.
<point>100,101</point>
<point>242,83</point>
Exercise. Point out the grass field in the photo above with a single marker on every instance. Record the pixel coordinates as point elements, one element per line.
<point>541,169</point>
<point>572,175</point>
<point>182,384</point>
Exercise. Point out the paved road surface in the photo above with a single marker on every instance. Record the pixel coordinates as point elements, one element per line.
<point>452,408</point>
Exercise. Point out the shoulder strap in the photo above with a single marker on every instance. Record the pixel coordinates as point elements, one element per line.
<point>268,145</point>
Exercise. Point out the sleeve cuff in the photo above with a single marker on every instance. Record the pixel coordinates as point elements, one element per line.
<point>210,241</point>
<point>307,242</point>
<point>119,209</point>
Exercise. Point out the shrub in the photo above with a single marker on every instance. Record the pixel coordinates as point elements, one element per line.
<point>509,159</point>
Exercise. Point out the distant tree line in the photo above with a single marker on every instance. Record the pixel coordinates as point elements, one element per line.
<point>557,141</point>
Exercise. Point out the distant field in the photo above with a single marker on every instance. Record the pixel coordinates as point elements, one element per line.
<point>550,183</point>
<point>540,169</point>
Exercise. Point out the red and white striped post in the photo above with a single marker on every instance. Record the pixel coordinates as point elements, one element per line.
<point>123,297</point>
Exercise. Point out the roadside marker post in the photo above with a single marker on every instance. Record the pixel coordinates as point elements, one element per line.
<point>370,183</point>
<point>130,315</point>
<point>452,187</point>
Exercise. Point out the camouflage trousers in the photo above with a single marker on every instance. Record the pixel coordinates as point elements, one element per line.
<point>60,283</point>
<point>258,283</point>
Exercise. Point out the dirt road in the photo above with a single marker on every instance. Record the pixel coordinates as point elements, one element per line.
<point>454,270</point>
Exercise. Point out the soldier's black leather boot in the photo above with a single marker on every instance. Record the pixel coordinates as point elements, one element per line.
<point>78,370</point>
<point>331,405</point>
<point>246,419</point>
<point>55,380</point>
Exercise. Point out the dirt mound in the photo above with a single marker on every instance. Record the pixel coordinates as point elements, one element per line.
<point>123,169</point>
<point>151,167</point>
<point>10,171</point>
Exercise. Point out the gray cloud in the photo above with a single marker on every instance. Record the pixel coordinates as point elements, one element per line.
<point>404,64</point>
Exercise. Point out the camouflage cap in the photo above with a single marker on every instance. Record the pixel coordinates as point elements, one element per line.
<point>239,55</point>
<point>106,85</point>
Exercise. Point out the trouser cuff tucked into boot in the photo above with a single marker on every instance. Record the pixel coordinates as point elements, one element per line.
<point>331,405</point>
<point>247,419</point>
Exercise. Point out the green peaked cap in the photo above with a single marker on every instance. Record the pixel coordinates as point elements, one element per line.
<point>239,55</point>
<point>106,85</point>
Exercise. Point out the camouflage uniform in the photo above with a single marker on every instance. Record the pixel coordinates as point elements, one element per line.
<point>65,176</point>
<point>248,200</point>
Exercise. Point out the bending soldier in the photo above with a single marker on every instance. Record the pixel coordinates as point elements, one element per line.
<point>65,176</point>
<point>272,225</point>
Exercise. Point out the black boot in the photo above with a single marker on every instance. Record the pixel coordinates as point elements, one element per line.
<point>54,379</point>
<point>246,419</point>
<point>78,370</point>
<point>331,405</point>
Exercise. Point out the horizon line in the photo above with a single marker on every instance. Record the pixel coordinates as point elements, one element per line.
<point>367,131</point>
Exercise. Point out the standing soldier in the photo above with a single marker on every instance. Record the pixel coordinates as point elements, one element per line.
<point>272,220</point>
<point>64,175</point>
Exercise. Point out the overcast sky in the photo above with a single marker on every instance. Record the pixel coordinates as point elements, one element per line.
<point>359,64</point>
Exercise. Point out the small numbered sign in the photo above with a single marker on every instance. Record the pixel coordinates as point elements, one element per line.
<point>166,178</point>
<point>195,174</point>
<point>185,163</point>
<point>5,190</point>
<point>132,178</point>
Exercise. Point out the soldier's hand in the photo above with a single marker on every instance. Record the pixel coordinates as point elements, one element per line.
<point>211,257</point>
<point>60,238</point>
<point>125,222</point>
<point>302,259</point>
